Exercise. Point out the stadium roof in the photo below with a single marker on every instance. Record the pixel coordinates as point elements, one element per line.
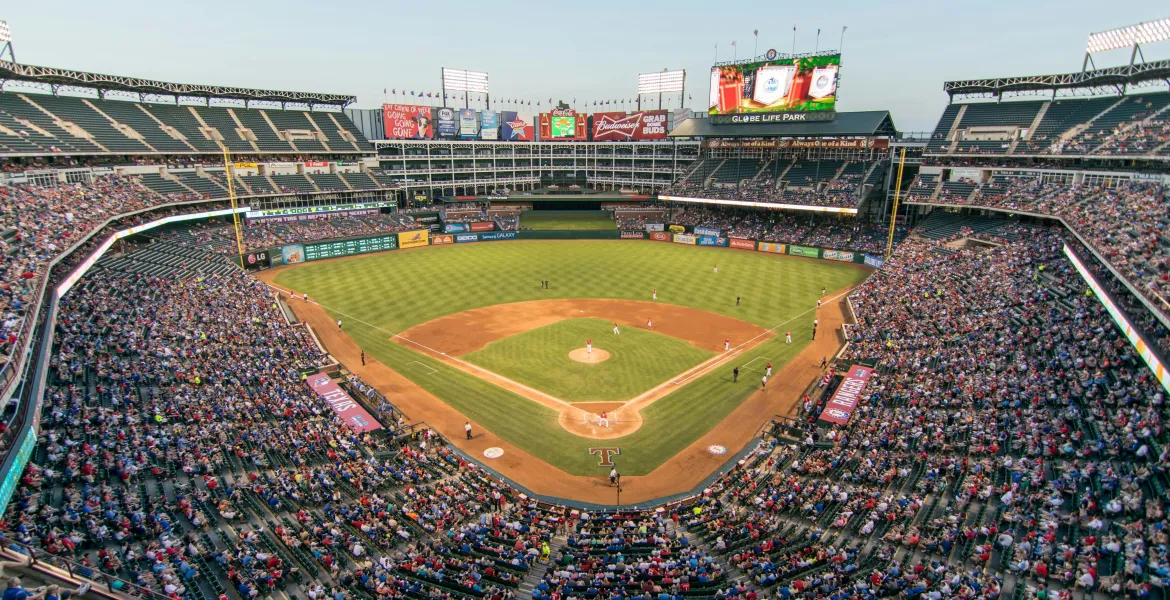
<point>861,123</point>
<point>80,79</point>
<point>1112,77</point>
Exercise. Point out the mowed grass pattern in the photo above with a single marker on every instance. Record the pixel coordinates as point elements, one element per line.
<point>392,291</point>
<point>556,220</point>
<point>639,360</point>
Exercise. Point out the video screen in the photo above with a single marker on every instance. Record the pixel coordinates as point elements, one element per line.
<point>781,85</point>
<point>560,127</point>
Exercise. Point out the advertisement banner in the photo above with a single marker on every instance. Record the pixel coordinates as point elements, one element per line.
<point>441,239</point>
<point>711,240</point>
<point>743,244</point>
<point>563,124</point>
<point>466,237</point>
<point>489,125</point>
<point>741,144</point>
<point>772,247</point>
<point>677,229</point>
<point>446,122</point>
<point>778,85</point>
<point>707,231</point>
<point>347,409</point>
<point>256,260</point>
<point>837,255</point>
<point>454,227</point>
<point>517,127</point>
<point>316,163</point>
<point>292,254</point>
<point>633,235</point>
<point>413,239</point>
<point>802,144</point>
<point>874,261</point>
<point>468,123</point>
<point>655,227</point>
<point>483,226</point>
<point>498,235</point>
<point>804,251</point>
<point>660,236</point>
<point>840,406</point>
<point>682,238</point>
<point>629,126</point>
<point>245,165</point>
<point>408,122</point>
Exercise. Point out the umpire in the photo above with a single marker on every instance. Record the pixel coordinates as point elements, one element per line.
<point>735,375</point>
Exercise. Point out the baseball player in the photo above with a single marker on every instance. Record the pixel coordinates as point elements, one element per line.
<point>339,325</point>
<point>654,293</point>
<point>769,373</point>
<point>822,291</point>
<point>603,420</point>
<point>818,302</point>
<point>788,337</point>
<point>589,346</point>
<point>649,323</point>
<point>726,344</point>
<point>467,428</point>
<point>615,328</point>
<point>764,382</point>
<point>717,268</point>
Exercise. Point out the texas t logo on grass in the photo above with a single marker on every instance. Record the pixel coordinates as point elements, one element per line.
<point>606,455</point>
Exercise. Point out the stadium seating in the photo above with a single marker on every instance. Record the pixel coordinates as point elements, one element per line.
<point>733,170</point>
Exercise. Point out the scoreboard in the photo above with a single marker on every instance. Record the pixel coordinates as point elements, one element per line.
<point>349,247</point>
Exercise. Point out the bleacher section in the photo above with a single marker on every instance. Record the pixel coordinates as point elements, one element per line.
<point>328,182</point>
<point>807,173</point>
<point>297,183</point>
<point>258,184</point>
<point>202,185</point>
<point>42,128</point>
<point>734,170</point>
<point>1134,125</point>
<point>162,185</point>
<point>184,123</point>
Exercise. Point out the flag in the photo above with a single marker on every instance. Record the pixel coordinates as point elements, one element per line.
<point>756,32</point>
<point>732,43</point>
<point>394,91</point>
<point>383,90</point>
<point>412,92</point>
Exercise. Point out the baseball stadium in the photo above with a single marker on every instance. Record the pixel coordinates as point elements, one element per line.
<point>471,344</point>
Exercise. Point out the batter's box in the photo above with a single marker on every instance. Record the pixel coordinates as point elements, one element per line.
<point>430,371</point>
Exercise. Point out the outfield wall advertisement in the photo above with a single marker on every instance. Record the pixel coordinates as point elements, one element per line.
<point>707,231</point>
<point>742,244</point>
<point>633,235</point>
<point>660,236</point>
<point>408,122</point>
<point>497,235</point>
<point>804,251</point>
<point>874,261</point>
<point>711,240</point>
<point>683,238</point>
<point>413,239</point>
<point>483,226</point>
<point>442,239</point>
<point>655,227</point>
<point>773,247</point>
<point>837,255</point>
<point>463,238</point>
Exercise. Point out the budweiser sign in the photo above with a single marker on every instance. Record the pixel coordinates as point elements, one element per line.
<point>623,126</point>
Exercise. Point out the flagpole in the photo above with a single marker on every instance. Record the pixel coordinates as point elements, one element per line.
<point>794,40</point>
<point>734,52</point>
<point>818,46</point>
<point>755,44</point>
<point>716,51</point>
<point>841,45</point>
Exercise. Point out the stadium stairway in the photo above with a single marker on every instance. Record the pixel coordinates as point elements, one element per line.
<point>536,573</point>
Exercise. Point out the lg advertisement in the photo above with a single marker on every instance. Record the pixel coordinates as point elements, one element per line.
<point>627,126</point>
<point>408,122</point>
<point>806,84</point>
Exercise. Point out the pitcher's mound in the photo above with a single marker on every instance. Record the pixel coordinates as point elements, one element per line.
<point>598,355</point>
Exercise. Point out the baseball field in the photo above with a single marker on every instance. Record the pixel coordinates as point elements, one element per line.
<point>557,220</point>
<point>475,326</point>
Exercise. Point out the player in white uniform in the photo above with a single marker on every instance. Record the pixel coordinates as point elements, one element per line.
<point>716,268</point>
<point>603,421</point>
<point>589,346</point>
<point>615,329</point>
<point>649,324</point>
<point>654,293</point>
<point>788,337</point>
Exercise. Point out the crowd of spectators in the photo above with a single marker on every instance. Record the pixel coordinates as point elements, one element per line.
<point>260,234</point>
<point>833,233</point>
<point>839,193</point>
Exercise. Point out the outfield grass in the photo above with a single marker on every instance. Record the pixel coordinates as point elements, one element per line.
<point>639,360</point>
<point>555,220</point>
<point>392,291</point>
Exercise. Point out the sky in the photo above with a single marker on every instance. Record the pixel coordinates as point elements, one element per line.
<point>895,56</point>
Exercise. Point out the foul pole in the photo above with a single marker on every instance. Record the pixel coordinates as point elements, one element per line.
<point>897,197</point>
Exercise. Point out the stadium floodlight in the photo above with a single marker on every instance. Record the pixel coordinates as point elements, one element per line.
<point>1131,35</point>
<point>460,80</point>
<point>661,82</point>
<point>5,34</point>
